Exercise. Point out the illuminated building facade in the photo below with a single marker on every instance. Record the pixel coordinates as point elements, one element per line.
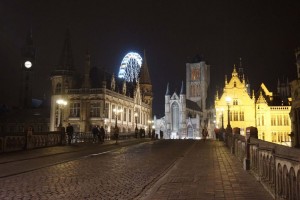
<point>185,113</point>
<point>272,117</point>
<point>95,99</point>
<point>266,111</point>
<point>241,104</point>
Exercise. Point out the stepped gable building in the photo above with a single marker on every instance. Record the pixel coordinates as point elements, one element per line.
<point>267,111</point>
<point>185,113</point>
<point>96,98</point>
<point>238,101</point>
<point>295,110</point>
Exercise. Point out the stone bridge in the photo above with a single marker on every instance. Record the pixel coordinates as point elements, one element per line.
<point>277,167</point>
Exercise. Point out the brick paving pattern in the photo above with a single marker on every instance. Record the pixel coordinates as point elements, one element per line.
<point>207,171</point>
<point>178,169</point>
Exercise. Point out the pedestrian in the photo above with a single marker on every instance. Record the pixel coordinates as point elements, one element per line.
<point>136,132</point>
<point>102,134</point>
<point>95,132</point>
<point>70,131</point>
<point>153,135</point>
<point>161,134</point>
<point>204,133</point>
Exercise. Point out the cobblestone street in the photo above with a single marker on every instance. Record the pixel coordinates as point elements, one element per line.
<point>177,169</point>
<point>120,174</point>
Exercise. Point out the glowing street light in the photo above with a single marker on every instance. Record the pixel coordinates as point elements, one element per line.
<point>61,104</point>
<point>228,100</point>
<point>116,131</point>
<point>150,122</point>
<point>136,129</point>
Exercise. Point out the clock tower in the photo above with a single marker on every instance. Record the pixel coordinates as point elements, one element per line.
<point>28,53</point>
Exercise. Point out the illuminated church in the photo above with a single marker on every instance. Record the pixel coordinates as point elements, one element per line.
<point>97,97</point>
<point>186,113</point>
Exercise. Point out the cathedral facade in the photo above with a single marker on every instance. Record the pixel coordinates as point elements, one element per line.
<point>98,98</point>
<point>186,113</point>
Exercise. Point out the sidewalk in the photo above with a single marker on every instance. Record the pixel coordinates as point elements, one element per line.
<point>207,171</point>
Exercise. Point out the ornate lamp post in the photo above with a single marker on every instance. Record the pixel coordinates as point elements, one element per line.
<point>61,104</point>
<point>136,129</point>
<point>228,128</point>
<point>116,131</point>
<point>150,129</point>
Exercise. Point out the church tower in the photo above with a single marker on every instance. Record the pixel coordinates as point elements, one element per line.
<point>62,79</point>
<point>145,84</point>
<point>197,82</point>
<point>28,54</point>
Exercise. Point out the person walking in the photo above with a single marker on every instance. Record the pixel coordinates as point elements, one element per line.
<point>204,133</point>
<point>95,132</point>
<point>102,134</point>
<point>70,131</point>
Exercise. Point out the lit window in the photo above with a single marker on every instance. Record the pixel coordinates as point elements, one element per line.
<point>74,109</point>
<point>95,109</point>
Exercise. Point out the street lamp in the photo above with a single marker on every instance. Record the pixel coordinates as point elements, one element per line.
<point>150,122</point>
<point>61,104</point>
<point>228,100</point>
<point>136,129</point>
<point>222,118</point>
<point>116,132</point>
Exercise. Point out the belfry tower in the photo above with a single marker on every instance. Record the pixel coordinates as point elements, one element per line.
<point>197,82</point>
<point>28,54</point>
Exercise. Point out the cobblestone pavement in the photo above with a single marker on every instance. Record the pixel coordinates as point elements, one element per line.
<point>177,169</point>
<point>207,171</point>
<point>23,161</point>
<point>119,174</point>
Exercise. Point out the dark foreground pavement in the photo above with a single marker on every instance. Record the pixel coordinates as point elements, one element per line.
<point>207,171</point>
<point>166,169</point>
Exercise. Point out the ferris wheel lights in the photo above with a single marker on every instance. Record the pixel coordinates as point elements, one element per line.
<point>130,66</point>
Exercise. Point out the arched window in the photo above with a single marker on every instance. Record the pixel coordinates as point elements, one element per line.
<point>293,184</point>
<point>175,117</point>
<point>234,84</point>
<point>279,178</point>
<point>58,88</point>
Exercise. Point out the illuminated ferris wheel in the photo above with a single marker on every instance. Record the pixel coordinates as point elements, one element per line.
<point>130,66</point>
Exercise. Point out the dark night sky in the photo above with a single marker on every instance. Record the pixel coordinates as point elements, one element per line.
<point>264,33</point>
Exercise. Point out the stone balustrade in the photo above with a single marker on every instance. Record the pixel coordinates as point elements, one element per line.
<point>276,166</point>
<point>20,141</point>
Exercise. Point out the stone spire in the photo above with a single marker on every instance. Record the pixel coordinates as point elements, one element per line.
<point>144,73</point>
<point>234,73</point>
<point>168,90</point>
<point>28,50</point>
<point>182,89</point>
<point>66,58</point>
<point>87,68</point>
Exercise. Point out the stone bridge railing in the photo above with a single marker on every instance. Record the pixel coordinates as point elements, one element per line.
<point>21,141</point>
<point>277,167</point>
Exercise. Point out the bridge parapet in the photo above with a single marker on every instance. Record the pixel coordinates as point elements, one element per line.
<point>276,166</point>
<point>29,140</point>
